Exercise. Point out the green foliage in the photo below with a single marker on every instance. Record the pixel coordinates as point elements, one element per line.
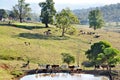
<point>3,14</point>
<point>65,19</point>
<point>102,53</point>
<point>12,15</point>
<point>21,10</point>
<point>112,55</point>
<point>72,30</point>
<point>95,19</point>
<point>111,13</point>
<point>67,58</point>
<point>47,12</point>
<point>97,48</point>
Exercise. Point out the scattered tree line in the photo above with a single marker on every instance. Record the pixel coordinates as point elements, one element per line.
<point>111,13</point>
<point>63,20</point>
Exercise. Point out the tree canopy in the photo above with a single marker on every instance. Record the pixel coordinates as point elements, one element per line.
<point>21,10</point>
<point>67,58</point>
<point>65,19</point>
<point>47,12</point>
<point>95,19</point>
<point>102,53</point>
<point>3,14</point>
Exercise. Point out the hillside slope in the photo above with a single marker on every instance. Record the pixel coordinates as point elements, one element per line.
<point>26,41</point>
<point>46,49</point>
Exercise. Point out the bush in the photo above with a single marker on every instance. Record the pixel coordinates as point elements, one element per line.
<point>72,31</point>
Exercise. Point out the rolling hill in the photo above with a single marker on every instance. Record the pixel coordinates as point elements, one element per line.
<point>111,13</point>
<point>20,42</point>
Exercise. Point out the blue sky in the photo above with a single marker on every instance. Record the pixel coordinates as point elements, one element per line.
<point>60,4</point>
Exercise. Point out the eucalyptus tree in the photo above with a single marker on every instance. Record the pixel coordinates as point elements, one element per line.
<point>3,14</point>
<point>103,53</point>
<point>95,19</point>
<point>21,10</point>
<point>47,12</point>
<point>65,19</point>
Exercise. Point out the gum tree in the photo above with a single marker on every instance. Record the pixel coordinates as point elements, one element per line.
<point>102,53</point>
<point>47,12</point>
<point>21,10</point>
<point>95,19</point>
<point>65,19</point>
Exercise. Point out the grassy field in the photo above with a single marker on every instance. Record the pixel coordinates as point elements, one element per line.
<point>45,49</point>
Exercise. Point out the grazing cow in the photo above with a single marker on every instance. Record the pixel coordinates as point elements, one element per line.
<point>79,70</point>
<point>111,66</point>
<point>83,33</point>
<point>47,66</point>
<point>48,32</point>
<point>71,67</point>
<point>27,43</point>
<point>97,67</point>
<point>90,33</point>
<point>96,36</point>
<point>81,30</point>
<point>105,66</point>
<point>55,68</point>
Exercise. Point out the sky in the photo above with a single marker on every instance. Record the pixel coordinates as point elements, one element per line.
<point>60,4</point>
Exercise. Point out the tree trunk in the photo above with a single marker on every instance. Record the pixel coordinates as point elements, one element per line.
<point>20,20</point>
<point>63,32</point>
<point>94,27</point>
<point>46,25</point>
<point>110,75</point>
<point>20,15</point>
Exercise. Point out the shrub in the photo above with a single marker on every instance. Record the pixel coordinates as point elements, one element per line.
<point>71,31</point>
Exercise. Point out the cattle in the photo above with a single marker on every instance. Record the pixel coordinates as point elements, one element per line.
<point>90,33</point>
<point>105,66</point>
<point>47,66</point>
<point>96,36</point>
<point>97,67</point>
<point>111,66</point>
<point>27,43</point>
<point>71,67</point>
<point>48,32</point>
<point>55,68</point>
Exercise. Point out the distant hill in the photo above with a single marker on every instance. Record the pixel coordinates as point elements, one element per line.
<point>111,13</point>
